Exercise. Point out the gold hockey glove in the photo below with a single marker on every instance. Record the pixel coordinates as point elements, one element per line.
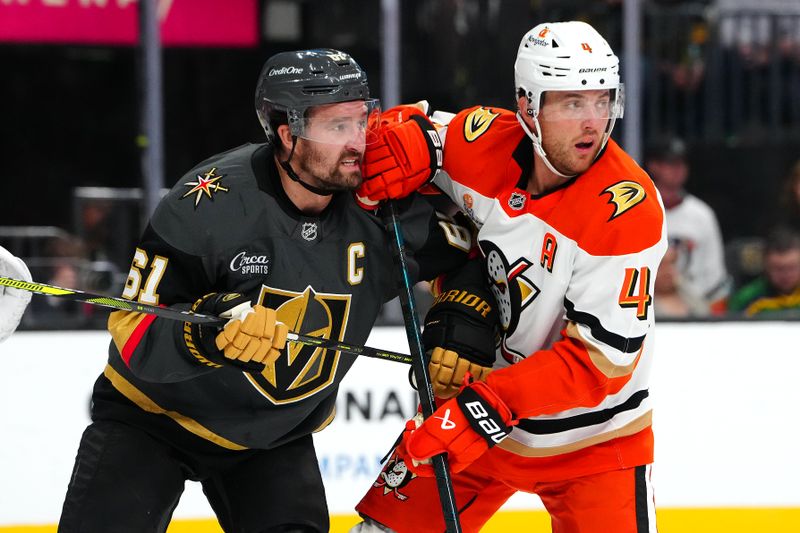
<point>252,339</point>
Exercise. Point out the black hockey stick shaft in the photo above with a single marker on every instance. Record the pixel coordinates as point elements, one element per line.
<point>187,316</point>
<point>419,366</point>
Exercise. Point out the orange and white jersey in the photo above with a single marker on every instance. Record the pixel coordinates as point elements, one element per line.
<point>573,272</point>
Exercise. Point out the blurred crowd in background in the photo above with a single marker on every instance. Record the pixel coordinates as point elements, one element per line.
<point>720,115</point>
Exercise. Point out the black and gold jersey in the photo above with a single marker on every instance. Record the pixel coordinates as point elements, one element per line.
<point>227,226</point>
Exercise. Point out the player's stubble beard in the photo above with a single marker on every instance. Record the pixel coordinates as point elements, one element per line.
<point>561,156</point>
<point>326,170</point>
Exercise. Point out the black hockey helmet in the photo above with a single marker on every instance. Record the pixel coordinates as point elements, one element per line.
<point>292,82</point>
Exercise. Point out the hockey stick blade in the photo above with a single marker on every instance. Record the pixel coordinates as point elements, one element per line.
<point>187,316</point>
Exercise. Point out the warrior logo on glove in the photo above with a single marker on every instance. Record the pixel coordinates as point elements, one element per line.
<point>461,329</point>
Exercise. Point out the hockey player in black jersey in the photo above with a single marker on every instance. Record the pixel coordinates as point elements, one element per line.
<point>269,234</point>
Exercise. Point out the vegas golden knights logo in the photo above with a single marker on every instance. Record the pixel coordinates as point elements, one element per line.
<point>303,370</point>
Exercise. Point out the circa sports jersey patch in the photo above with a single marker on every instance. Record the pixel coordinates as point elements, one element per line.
<point>249,263</point>
<point>302,370</point>
<point>206,185</point>
<point>477,122</point>
<point>624,195</point>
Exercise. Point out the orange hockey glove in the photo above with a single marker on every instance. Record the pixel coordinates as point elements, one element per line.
<point>406,156</point>
<point>251,339</point>
<point>463,427</point>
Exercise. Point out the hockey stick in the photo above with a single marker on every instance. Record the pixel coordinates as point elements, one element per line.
<point>419,366</point>
<point>186,316</point>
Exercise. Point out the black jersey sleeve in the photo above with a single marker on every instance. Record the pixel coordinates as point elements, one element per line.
<point>153,348</point>
<point>436,243</point>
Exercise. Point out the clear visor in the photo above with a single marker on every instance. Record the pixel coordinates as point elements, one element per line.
<point>582,105</point>
<point>345,123</point>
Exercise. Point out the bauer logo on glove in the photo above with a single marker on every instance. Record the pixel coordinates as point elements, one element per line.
<point>463,427</point>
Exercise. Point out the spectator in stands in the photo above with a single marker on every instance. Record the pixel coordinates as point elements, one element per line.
<point>672,297</point>
<point>777,292</point>
<point>692,226</point>
<point>65,265</point>
<point>789,202</point>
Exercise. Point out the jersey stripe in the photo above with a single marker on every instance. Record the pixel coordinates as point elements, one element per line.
<point>623,344</point>
<point>127,329</point>
<point>145,403</point>
<point>515,446</point>
<point>545,427</point>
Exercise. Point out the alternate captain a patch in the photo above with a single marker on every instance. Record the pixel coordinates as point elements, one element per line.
<point>477,122</point>
<point>207,184</point>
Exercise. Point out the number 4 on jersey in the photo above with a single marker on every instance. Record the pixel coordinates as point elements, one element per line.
<point>636,291</point>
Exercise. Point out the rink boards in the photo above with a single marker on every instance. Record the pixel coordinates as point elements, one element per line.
<point>725,399</point>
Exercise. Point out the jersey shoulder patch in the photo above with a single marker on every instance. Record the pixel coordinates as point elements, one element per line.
<point>613,208</point>
<point>204,201</point>
<point>479,149</point>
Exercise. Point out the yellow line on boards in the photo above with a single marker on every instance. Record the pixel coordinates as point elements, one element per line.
<point>672,520</point>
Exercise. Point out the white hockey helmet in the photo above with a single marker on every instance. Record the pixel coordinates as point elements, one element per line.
<point>559,56</point>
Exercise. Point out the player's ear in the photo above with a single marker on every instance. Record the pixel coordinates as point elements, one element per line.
<point>284,137</point>
<point>522,105</point>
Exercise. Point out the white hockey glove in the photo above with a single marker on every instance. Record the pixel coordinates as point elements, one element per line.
<point>12,301</point>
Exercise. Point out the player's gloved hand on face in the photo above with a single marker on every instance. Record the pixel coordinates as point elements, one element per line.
<point>251,339</point>
<point>12,301</point>
<point>460,330</point>
<point>406,156</point>
<point>464,427</point>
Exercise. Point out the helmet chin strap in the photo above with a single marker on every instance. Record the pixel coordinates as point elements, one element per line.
<point>537,144</point>
<point>286,165</point>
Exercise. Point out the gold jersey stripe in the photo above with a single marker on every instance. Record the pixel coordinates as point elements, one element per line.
<point>599,359</point>
<point>631,428</point>
<point>121,325</point>
<point>145,403</point>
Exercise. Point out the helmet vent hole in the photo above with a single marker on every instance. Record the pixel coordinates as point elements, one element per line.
<point>602,81</point>
<point>319,89</point>
<point>583,82</point>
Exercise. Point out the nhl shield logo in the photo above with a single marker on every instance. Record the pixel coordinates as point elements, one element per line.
<point>516,201</point>
<point>309,231</point>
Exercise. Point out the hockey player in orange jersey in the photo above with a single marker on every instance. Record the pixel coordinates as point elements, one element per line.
<point>572,231</point>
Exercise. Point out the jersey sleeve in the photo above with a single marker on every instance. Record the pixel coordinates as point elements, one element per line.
<point>151,347</point>
<point>435,243</point>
